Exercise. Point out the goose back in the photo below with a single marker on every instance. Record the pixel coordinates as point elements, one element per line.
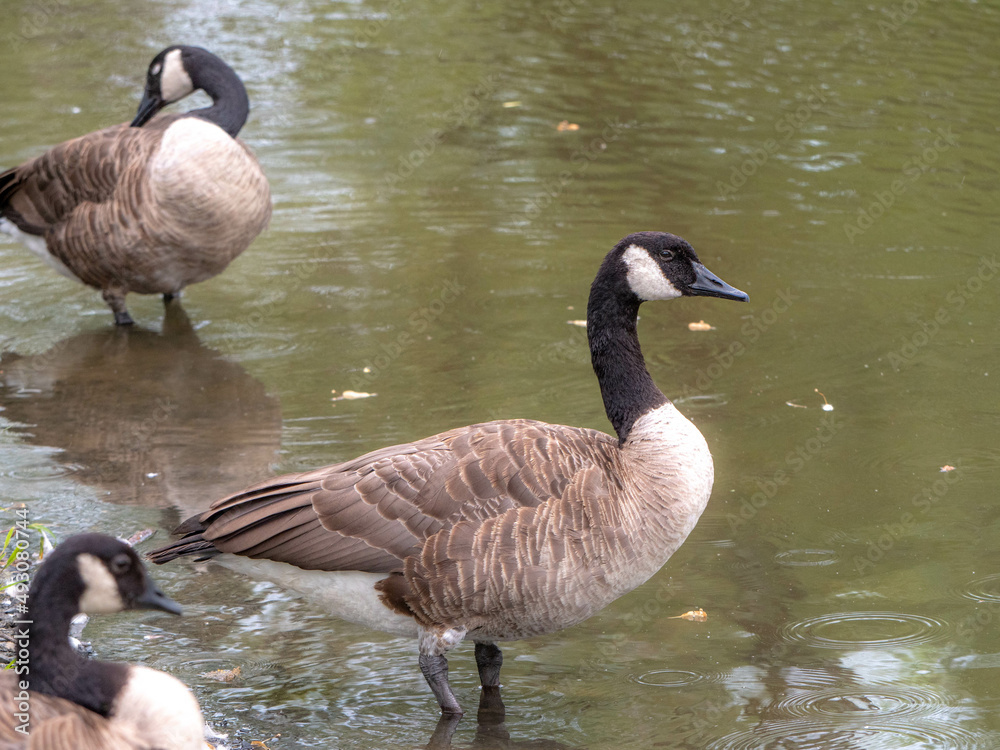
<point>516,528</point>
<point>152,209</point>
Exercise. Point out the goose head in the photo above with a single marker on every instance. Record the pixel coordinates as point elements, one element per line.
<point>181,70</point>
<point>102,574</point>
<point>659,265</point>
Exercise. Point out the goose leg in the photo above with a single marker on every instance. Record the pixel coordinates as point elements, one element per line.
<point>435,669</point>
<point>116,301</point>
<point>489,659</point>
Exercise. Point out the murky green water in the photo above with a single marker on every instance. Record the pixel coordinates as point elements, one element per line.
<point>838,162</point>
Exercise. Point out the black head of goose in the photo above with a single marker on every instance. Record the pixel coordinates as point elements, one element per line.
<point>501,530</point>
<point>55,698</point>
<point>152,207</point>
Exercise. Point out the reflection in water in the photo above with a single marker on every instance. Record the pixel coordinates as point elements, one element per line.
<point>491,731</point>
<point>153,419</point>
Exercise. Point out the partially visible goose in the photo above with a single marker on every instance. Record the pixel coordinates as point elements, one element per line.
<point>501,530</point>
<point>57,699</point>
<point>148,207</point>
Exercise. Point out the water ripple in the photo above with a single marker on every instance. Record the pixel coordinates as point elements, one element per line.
<point>852,630</point>
<point>819,734</point>
<point>986,589</point>
<point>799,558</point>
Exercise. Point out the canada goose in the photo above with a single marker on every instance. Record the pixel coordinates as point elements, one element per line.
<point>501,530</point>
<point>54,698</point>
<point>148,207</point>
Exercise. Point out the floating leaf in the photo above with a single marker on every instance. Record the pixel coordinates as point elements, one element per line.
<point>797,406</point>
<point>567,125</point>
<point>139,537</point>
<point>223,675</point>
<point>581,323</point>
<point>701,325</point>
<point>694,615</point>
<point>508,105</point>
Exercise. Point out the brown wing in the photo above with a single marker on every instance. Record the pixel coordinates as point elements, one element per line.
<point>57,724</point>
<point>82,197</point>
<point>377,510</point>
<point>46,190</point>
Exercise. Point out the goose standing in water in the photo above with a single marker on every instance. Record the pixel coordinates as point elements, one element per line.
<point>56,699</point>
<point>497,531</point>
<point>148,207</point>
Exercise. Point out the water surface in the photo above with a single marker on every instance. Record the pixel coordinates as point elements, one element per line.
<point>837,162</point>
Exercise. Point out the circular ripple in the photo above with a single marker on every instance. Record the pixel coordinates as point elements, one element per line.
<point>800,558</point>
<point>670,678</point>
<point>985,589</point>
<point>43,471</point>
<point>816,735</point>
<point>880,702</point>
<point>850,630</point>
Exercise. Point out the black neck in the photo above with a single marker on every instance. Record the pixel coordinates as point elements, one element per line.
<point>626,386</point>
<point>230,105</point>
<point>55,668</point>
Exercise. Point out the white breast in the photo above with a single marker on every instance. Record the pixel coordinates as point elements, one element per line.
<point>161,709</point>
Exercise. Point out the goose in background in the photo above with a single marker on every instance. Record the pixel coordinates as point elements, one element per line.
<point>57,699</point>
<point>149,207</point>
<point>498,531</point>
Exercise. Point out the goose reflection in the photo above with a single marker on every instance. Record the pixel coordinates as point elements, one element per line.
<point>491,731</point>
<point>151,418</point>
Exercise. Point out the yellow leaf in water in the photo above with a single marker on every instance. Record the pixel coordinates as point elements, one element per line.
<point>223,675</point>
<point>567,125</point>
<point>701,325</point>
<point>694,615</point>
<point>508,105</point>
<point>581,323</point>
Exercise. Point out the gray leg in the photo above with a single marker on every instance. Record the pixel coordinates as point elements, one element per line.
<point>489,659</point>
<point>435,669</point>
<point>116,301</point>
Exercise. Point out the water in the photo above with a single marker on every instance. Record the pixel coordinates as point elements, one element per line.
<point>837,162</point>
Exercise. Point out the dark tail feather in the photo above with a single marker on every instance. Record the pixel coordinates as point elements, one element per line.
<point>191,543</point>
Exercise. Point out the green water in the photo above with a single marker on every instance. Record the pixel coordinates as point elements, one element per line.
<point>839,162</point>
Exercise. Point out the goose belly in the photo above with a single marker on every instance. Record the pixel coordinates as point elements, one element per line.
<point>347,594</point>
<point>38,246</point>
<point>211,197</point>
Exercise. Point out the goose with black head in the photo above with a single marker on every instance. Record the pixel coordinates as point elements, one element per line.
<point>150,207</point>
<point>501,530</point>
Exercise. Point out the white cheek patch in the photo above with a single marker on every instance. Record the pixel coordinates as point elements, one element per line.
<point>175,83</point>
<point>100,592</point>
<point>645,276</point>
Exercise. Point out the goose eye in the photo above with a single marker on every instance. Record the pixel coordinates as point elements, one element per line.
<point>666,254</point>
<point>120,563</point>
